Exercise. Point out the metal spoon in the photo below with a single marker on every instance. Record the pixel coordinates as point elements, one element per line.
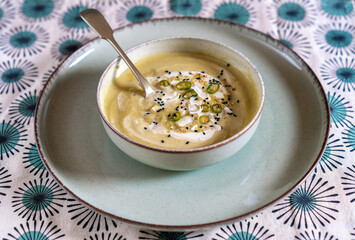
<point>98,23</point>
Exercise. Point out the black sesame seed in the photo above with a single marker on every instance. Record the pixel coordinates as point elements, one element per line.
<point>145,128</point>
<point>195,131</point>
<point>162,141</point>
<point>187,128</point>
<point>187,142</point>
<point>169,135</point>
<point>228,64</point>
<point>201,127</point>
<point>237,101</point>
<point>166,71</point>
<point>211,125</point>
<point>204,133</point>
<point>202,72</point>
<point>225,102</point>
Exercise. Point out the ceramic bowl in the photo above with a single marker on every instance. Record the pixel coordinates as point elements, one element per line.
<point>187,159</point>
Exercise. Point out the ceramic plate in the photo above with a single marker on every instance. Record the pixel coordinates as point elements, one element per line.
<point>290,139</point>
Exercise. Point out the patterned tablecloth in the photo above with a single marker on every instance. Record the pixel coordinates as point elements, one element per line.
<point>36,35</point>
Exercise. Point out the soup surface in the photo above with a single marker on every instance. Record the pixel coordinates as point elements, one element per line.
<point>199,101</point>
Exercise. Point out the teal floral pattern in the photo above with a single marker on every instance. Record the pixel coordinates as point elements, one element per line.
<point>336,38</point>
<point>38,9</point>
<point>241,13</point>
<point>133,11</point>
<point>7,13</point>
<point>336,9</point>
<point>36,36</point>
<point>24,41</point>
<point>22,110</point>
<point>11,138</point>
<point>38,199</point>
<point>186,7</point>
<point>339,73</point>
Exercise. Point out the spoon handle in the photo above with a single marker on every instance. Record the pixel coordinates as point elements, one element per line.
<point>98,22</point>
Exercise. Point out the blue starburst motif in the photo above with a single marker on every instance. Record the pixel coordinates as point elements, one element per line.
<point>7,13</point>
<point>309,204</point>
<point>108,2</point>
<point>24,41</point>
<point>340,73</point>
<point>40,10</point>
<point>292,13</point>
<point>349,137</point>
<point>71,20</point>
<point>315,235</point>
<point>41,198</point>
<point>48,74</point>
<point>336,9</point>
<point>332,155</point>
<point>243,231</point>
<point>4,181</point>
<point>348,180</point>
<point>186,7</point>
<point>16,75</point>
<point>107,236</point>
<point>339,110</point>
<point>22,110</point>
<point>33,161</point>
<point>87,218</point>
<point>156,235</point>
<point>294,40</point>
<point>237,11</point>
<point>132,11</point>
<point>66,45</point>
<point>11,136</point>
<point>36,231</point>
<point>336,39</point>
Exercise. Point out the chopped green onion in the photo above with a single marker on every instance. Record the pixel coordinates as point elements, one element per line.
<point>175,117</point>
<point>212,88</point>
<point>205,108</point>
<point>184,85</point>
<point>217,108</point>
<point>189,94</point>
<point>203,119</point>
<point>164,83</point>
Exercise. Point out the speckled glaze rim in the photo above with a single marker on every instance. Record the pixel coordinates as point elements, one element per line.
<point>193,150</point>
<point>283,47</point>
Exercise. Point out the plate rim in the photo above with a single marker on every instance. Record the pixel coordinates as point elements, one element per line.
<point>191,226</point>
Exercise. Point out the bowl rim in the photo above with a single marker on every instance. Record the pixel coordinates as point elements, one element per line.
<point>190,150</point>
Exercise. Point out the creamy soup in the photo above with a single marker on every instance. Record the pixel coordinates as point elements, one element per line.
<point>199,101</point>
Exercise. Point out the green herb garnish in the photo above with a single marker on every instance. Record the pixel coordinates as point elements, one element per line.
<point>189,94</point>
<point>203,119</point>
<point>205,108</point>
<point>184,85</point>
<point>175,117</point>
<point>217,108</point>
<point>212,88</point>
<point>164,83</point>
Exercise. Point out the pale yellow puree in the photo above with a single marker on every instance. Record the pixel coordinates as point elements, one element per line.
<point>220,101</point>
